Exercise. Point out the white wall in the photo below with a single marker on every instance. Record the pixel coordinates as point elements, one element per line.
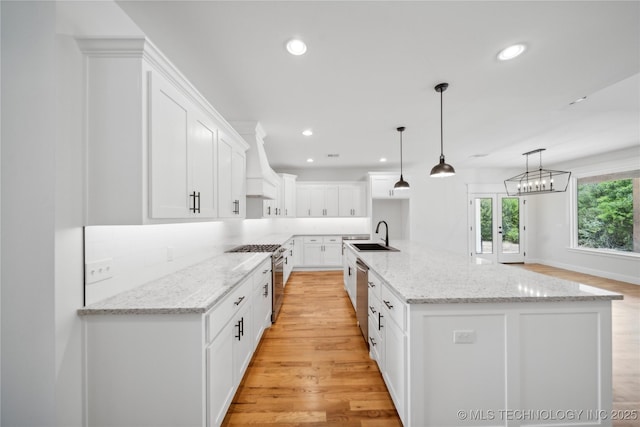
<point>42,177</point>
<point>28,201</point>
<point>139,253</point>
<point>550,226</point>
<point>439,206</point>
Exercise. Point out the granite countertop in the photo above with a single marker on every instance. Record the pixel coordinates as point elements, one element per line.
<point>194,289</point>
<point>424,276</point>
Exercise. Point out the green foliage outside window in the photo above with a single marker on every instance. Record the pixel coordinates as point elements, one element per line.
<point>511,220</point>
<point>486,220</point>
<point>605,215</point>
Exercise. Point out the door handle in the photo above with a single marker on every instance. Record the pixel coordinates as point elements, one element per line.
<point>387,303</point>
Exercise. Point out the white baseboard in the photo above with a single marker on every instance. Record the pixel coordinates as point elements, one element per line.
<point>319,268</point>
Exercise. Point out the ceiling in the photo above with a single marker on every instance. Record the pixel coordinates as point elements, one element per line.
<point>372,66</point>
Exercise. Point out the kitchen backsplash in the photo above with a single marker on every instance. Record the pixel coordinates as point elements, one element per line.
<point>140,254</point>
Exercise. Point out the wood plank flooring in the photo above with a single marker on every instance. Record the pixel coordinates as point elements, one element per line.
<point>312,367</point>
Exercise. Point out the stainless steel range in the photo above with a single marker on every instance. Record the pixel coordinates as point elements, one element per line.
<point>277,263</point>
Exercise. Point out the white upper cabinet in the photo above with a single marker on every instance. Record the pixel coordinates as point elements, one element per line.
<point>330,199</point>
<point>352,200</point>
<point>317,200</point>
<point>288,193</point>
<point>382,186</point>
<point>203,166</point>
<point>231,179</point>
<point>151,140</point>
<point>182,147</point>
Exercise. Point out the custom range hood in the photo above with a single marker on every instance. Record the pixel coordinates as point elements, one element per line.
<point>261,179</point>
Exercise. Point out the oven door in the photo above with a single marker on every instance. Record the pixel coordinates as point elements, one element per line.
<point>278,286</point>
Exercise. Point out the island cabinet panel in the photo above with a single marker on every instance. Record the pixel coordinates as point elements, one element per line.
<point>509,364</point>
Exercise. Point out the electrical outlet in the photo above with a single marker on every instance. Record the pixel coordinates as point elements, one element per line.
<point>464,337</point>
<point>169,253</point>
<point>97,271</point>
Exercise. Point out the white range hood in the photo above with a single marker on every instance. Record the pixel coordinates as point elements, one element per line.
<point>261,179</point>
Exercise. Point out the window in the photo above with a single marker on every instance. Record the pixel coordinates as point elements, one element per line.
<point>608,208</point>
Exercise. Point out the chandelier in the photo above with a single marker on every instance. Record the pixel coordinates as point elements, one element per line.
<point>538,181</point>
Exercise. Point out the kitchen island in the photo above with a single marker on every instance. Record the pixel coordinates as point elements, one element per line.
<point>472,343</point>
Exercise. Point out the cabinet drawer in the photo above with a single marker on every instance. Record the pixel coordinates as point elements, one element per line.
<point>394,307</point>
<point>262,275</point>
<point>332,239</point>
<point>226,309</point>
<point>312,239</point>
<point>375,285</point>
<point>375,342</point>
<point>374,310</point>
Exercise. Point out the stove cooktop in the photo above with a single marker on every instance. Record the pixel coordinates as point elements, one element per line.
<point>256,248</point>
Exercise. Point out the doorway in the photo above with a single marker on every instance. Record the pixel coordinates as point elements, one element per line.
<point>497,226</point>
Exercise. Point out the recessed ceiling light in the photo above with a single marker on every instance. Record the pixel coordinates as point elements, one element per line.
<point>307,132</point>
<point>383,159</point>
<point>296,47</point>
<point>511,52</point>
<point>578,100</point>
<point>309,160</point>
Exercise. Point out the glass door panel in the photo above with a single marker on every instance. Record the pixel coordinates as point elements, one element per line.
<point>484,225</point>
<point>496,227</point>
<point>509,230</point>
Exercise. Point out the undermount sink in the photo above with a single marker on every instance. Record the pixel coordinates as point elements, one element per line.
<point>373,247</point>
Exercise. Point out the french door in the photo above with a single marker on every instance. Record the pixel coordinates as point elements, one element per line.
<point>496,227</point>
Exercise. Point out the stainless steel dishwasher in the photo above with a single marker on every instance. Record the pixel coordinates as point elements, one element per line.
<point>362,298</point>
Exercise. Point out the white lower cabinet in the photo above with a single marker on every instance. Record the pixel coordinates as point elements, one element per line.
<point>350,274</point>
<point>322,251</point>
<point>220,382</point>
<point>289,259</point>
<point>261,300</point>
<point>229,353</point>
<point>165,370</point>
<point>388,340</point>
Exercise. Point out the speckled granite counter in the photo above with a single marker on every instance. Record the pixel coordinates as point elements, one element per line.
<point>423,276</point>
<point>194,289</point>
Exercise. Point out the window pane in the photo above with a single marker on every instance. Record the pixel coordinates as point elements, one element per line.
<point>484,226</point>
<point>510,225</point>
<point>608,215</point>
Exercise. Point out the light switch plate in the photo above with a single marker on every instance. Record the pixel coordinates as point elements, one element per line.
<point>464,337</point>
<point>98,271</point>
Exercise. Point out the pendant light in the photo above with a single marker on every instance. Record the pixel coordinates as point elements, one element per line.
<point>442,169</point>
<point>538,181</point>
<point>402,184</point>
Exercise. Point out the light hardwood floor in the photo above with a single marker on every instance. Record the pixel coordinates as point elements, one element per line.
<point>312,367</point>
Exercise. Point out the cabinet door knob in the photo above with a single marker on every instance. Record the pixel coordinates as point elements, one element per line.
<point>388,304</point>
<point>239,301</point>
<point>373,343</point>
